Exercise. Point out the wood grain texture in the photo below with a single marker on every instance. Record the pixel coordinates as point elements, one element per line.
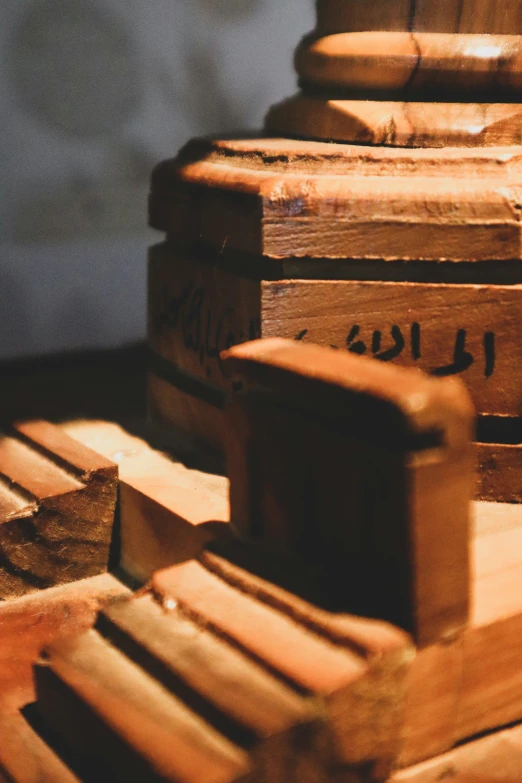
<point>57,506</point>
<point>413,62</point>
<point>167,511</point>
<point>282,730</point>
<point>29,623</point>
<point>473,685</point>
<point>398,124</point>
<point>121,719</point>
<point>493,759</point>
<point>354,669</point>
<point>353,465</point>
<point>465,330</point>
<point>500,472</point>
<point>327,201</point>
<point>443,16</point>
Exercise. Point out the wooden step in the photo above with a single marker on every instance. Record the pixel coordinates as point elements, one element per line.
<point>354,669</point>
<point>111,712</point>
<point>57,508</point>
<point>280,727</point>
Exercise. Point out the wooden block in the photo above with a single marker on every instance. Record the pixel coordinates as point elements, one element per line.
<point>167,511</point>
<point>496,758</point>
<point>57,507</point>
<point>361,469</point>
<point>120,718</point>
<point>29,623</point>
<point>414,63</point>
<point>280,728</point>
<point>444,16</point>
<point>412,124</point>
<point>354,669</point>
<point>283,198</point>
<point>474,684</point>
<point>25,758</point>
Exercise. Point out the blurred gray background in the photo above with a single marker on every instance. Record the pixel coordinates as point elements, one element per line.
<point>92,94</point>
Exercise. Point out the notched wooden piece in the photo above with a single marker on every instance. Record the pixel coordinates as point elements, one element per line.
<point>282,730</point>
<point>57,506</point>
<point>117,717</point>
<point>354,670</point>
<point>362,469</point>
<point>168,512</point>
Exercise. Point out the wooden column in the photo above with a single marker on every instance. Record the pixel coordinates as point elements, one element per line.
<point>381,216</point>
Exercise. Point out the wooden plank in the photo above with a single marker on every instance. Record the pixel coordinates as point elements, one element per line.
<point>121,718</point>
<point>58,502</point>
<point>362,469</point>
<point>354,668</point>
<point>25,758</point>
<point>233,693</point>
<point>312,200</point>
<point>466,330</point>
<point>167,511</point>
<point>493,759</point>
<point>29,623</point>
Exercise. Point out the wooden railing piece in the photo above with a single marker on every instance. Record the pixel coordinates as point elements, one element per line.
<point>121,719</point>
<point>57,508</point>
<point>363,470</point>
<point>167,512</point>
<point>354,669</point>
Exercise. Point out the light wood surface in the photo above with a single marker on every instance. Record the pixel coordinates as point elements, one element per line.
<point>57,509</point>
<point>118,717</point>
<point>398,124</point>
<point>296,199</point>
<point>167,511</point>
<point>414,63</point>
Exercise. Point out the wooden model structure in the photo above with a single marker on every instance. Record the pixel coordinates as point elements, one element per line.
<point>347,604</point>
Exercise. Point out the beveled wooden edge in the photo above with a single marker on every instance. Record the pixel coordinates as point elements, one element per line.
<point>395,123</point>
<point>325,376</point>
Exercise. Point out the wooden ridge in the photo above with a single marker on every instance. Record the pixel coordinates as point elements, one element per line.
<point>386,204</point>
<point>57,507</point>
<point>415,63</point>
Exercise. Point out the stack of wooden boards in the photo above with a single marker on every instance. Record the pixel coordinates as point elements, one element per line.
<point>386,224</point>
<point>217,671</point>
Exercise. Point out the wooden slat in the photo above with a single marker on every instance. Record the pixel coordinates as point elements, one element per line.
<point>115,714</point>
<point>167,511</point>
<point>58,502</point>
<point>232,692</point>
<point>358,677</point>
